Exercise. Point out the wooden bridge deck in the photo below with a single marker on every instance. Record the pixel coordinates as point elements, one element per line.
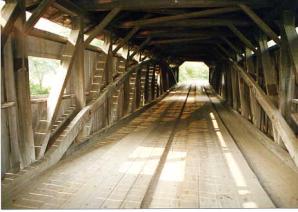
<point>177,154</point>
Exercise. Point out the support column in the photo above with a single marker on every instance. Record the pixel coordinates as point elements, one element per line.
<point>79,79</point>
<point>287,65</point>
<point>9,92</point>
<point>146,86</point>
<point>153,84</point>
<point>235,89</point>
<point>21,73</point>
<point>108,79</point>
<point>126,87</point>
<point>138,88</point>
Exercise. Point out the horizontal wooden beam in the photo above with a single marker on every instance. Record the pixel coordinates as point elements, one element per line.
<point>7,105</point>
<point>182,33</point>
<point>178,40</point>
<point>207,22</point>
<point>57,38</point>
<point>99,5</point>
<point>204,13</point>
<point>262,25</point>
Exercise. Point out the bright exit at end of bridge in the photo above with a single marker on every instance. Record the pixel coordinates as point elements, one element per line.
<point>190,72</point>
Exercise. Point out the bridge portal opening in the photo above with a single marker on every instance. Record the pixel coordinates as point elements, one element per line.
<point>190,72</point>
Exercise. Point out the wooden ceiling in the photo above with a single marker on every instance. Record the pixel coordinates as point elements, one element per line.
<point>177,29</point>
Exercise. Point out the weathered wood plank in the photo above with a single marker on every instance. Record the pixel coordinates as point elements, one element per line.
<point>278,121</point>
<point>21,72</point>
<point>10,106</point>
<point>79,79</point>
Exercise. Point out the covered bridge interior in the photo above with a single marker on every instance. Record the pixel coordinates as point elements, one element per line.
<point>118,130</point>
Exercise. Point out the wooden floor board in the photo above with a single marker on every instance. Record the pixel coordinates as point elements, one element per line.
<point>203,168</point>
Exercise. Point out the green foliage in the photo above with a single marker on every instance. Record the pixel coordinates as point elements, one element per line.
<point>193,71</point>
<point>40,71</point>
<point>36,89</point>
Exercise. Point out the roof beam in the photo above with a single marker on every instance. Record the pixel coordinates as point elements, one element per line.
<point>38,12</point>
<point>9,15</point>
<point>176,34</point>
<point>210,22</point>
<point>99,5</point>
<point>178,40</point>
<point>261,24</point>
<point>223,50</point>
<point>226,40</point>
<point>70,8</point>
<point>100,27</point>
<point>242,37</point>
<point>126,38</point>
<point>204,13</point>
<point>140,47</point>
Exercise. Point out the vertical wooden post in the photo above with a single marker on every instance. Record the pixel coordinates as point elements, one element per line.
<point>108,80</point>
<point>146,86</point>
<point>286,69</point>
<point>138,88</point>
<point>153,83</point>
<point>254,106</point>
<point>244,101</point>
<point>79,83</point>
<point>7,75</point>
<point>270,75</point>
<point>235,88</point>
<point>126,87</point>
<point>21,72</point>
<point>290,34</point>
<point>268,68</point>
<point>229,91</point>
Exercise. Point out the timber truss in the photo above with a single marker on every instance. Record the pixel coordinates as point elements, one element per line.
<point>97,88</point>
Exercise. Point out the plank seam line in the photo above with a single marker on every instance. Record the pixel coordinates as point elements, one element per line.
<point>147,199</point>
